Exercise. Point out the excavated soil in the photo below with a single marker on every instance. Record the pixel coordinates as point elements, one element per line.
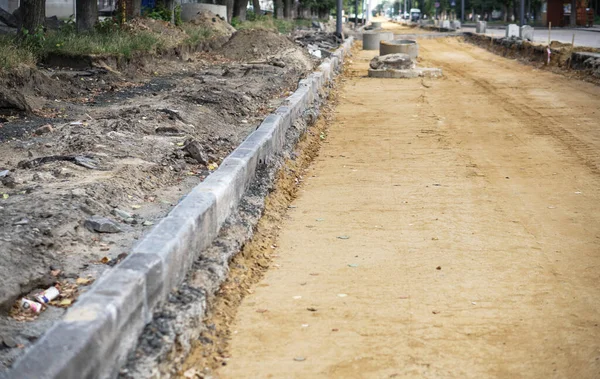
<point>117,145</point>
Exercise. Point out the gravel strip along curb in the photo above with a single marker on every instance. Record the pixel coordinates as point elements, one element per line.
<point>97,333</point>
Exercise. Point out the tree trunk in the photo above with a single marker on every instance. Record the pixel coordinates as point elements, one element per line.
<point>128,9</point>
<point>87,14</point>
<point>287,9</point>
<point>256,6</point>
<point>279,8</point>
<point>33,15</point>
<point>239,9</point>
<point>573,18</point>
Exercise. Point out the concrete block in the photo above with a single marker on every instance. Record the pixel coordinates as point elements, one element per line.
<point>170,240</point>
<point>400,46</point>
<point>248,158</point>
<point>371,40</point>
<point>526,32</point>
<point>445,24</point>
<point>512,30</point>
<point>262,143</point>
<point>272,125</point>
<point>406,74</point>
<point>151,266</point>
<point>455,24</point>
<point>228,186</point>
<point>285,112</point>
<point>481,27</point>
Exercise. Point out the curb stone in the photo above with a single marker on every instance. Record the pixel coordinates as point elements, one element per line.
<point>97,333</point>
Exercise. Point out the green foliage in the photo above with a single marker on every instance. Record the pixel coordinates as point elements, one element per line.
<point>178,20</point>
<point>196,34</point>
<point>107,26</point>
<point>33,40</point>
<point>161,13</point>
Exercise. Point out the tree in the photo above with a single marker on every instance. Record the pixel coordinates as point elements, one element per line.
<point>32,15</point>
<point>128,9</point>
<point>256,6</point>
<point>279,9</point>
<point>87,14</point>
<point>239,9</point>
<point>287,9</point>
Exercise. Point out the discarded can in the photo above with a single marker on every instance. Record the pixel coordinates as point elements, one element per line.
<point>48,295</point>
<point>31,306</point>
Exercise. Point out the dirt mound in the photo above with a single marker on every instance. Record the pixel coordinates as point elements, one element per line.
<point>254,45</point>
<point>214,23</point>
<point>20,88</point>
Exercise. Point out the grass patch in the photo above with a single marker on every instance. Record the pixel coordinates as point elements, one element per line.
<point>107,39</point>
<point>196,34</point>
<point>117,42</point>
<point>13,54</point>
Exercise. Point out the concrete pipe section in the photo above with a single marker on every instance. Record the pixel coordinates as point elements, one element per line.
<point>371,40</point>
<point>399,46</point>
<point>376,25</point>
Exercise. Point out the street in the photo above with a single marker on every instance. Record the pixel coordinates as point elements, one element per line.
<point>448,228</point>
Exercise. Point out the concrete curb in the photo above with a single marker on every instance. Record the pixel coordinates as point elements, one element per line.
<point>97,333</point>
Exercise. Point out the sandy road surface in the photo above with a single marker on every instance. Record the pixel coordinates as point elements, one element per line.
<point>472,207</point>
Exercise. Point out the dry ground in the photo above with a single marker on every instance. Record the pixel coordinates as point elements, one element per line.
<point>469,212</point>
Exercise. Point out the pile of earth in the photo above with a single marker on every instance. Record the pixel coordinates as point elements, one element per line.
<point>265,46</point>
<point>20,88</point>
<point>213,23</point>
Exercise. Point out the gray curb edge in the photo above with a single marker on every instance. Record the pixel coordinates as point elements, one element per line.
<point>96,334</point>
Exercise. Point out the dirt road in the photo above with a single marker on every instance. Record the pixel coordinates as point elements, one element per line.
<point>449,228</point>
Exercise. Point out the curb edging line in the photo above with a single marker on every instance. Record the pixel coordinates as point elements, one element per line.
<point>96,334</point>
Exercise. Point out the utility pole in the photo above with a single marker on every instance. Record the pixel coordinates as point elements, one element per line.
<point>338,23</point>
<point>522,13</point>
<point>356,14</point>
<point>462,11</point>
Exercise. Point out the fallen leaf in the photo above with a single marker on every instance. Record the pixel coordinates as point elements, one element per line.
<point>343,237</point>
<point>65,302</point>
<point>261,310</point>
<point>83,281</point>
<point>334,329</point>
<point>311,309</point>
<point>438,268</point>
<point>299,359</point>
<point>352,265</point>
<point>105,260</point>
<point>136,206</point>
